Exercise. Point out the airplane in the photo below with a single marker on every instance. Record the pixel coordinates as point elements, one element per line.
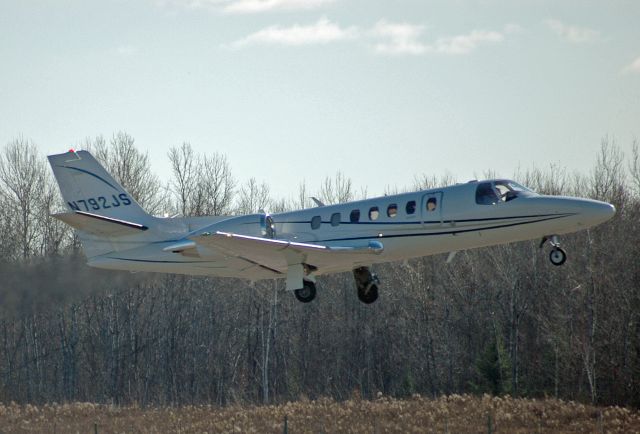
<point>298,246</point>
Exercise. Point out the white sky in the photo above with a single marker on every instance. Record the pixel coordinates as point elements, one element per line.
<point>297,89</point>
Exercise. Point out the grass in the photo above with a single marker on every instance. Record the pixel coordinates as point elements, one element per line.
<point>452,414</point>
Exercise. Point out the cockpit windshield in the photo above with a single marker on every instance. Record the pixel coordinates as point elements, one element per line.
<point>512,186</point>
<point>493,192</point>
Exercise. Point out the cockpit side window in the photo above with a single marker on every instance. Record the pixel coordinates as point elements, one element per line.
<point>485,194</point>
<point>509,190</point>
<point>503,189</point>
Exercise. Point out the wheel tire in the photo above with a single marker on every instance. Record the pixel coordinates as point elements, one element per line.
<point>307,293</point>
<point>368,297</point>
<point>557,256</point>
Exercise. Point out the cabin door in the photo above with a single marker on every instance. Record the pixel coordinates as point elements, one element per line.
<point>431,209</point>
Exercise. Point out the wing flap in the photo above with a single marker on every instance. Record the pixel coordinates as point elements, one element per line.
<point>279,254</point>
<point>100,225</point>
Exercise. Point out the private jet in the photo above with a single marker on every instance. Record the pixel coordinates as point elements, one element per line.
<point>298,246</point>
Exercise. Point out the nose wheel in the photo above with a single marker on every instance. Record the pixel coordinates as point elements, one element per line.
<point>557,256</point>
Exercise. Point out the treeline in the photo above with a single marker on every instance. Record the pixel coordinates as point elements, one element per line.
<point>501,320</point>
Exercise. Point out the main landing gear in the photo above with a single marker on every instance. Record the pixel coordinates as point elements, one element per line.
<point>367,284</point>
<point>307,293</point>
<point>557,256</point>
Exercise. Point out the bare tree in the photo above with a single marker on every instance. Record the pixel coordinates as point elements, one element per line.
<point>337,189</point>
<point>302,201</point>
<point>55,235</point>
<point>21,176</point>
<point>8,223</point>
<point>426,182</point>
<point>215,186</point>
<point>252,197</point>
<point>131,168</point>
<point>634,166</point>
<point>608,173</point>
<point>204,185</point>
<point>553,180</point>
<point>184,164</point>
<point>279,205</point>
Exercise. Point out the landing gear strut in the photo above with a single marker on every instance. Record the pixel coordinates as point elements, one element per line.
<point>307,293</point>
<point>367,284</point>
<point>557,256</point>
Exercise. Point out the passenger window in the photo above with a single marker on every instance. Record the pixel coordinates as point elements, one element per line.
<point>374,213</point>
<point>392,210</point>
<point>335,219</point>
<point>432,204</point>
<point>486,195</point>
<point>354,217</point>
<point>316,222</point>
<point>411,207</point>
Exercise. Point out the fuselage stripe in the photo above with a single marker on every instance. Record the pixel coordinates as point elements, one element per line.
<point>423,221</point>
<point>426,234</point>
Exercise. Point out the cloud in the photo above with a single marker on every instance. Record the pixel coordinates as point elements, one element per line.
<point>126,50</point>
<point>257,6</point>
<point>247,6</point>
<point>513,28</point>
<point>573,34</point>
<point>404,38</point>
<point>322,32</point>
<point>387,38</point>
<point>193,4</point>
<point>463,44</point>
<point>634,67</point>
<point>401,38</point>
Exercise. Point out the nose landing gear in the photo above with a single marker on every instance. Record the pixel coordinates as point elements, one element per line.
<point>367,284</point>
<point>557,256</point>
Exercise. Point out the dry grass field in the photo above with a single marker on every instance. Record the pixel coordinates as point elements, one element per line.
<point>452,414</point>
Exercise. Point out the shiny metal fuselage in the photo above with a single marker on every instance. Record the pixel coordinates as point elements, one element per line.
<point>456,223</point>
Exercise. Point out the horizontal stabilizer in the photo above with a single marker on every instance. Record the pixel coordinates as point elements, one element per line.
<point>100,225</point>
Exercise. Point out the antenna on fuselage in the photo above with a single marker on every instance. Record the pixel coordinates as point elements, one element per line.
<point>317,201</point>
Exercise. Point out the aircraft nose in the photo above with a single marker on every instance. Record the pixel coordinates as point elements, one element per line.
<point>595,212</point>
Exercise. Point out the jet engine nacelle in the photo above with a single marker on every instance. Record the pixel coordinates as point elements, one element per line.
<point>255,225</point>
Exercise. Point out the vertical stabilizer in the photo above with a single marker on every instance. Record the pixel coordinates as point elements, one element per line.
<point>86,186</point>
<point>89,190</point>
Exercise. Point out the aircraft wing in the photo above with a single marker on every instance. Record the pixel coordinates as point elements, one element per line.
<point>277,255</point>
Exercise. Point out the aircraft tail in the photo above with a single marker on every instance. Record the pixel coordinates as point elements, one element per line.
<point>100,208</point>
